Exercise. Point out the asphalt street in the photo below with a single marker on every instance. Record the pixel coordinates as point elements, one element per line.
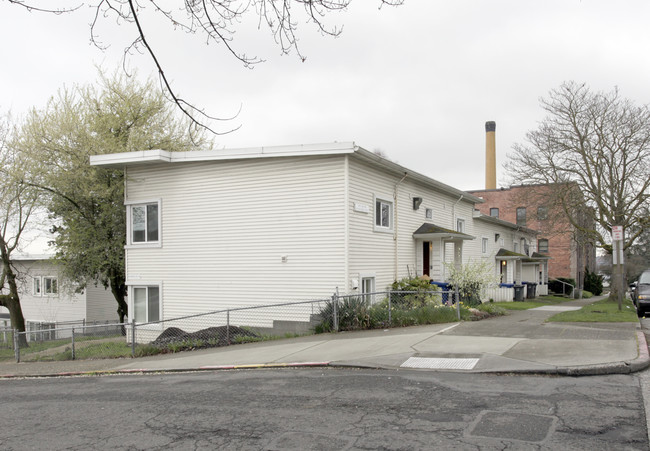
<point>324,408</point>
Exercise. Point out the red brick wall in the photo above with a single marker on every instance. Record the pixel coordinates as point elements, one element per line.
<point>558,231</point>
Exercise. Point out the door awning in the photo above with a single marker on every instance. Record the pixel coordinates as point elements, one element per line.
<point>505,254</point>
<point>431,231</point>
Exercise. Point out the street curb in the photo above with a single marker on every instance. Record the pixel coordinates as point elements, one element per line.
<point>622,367</point>
<point>166,370</point>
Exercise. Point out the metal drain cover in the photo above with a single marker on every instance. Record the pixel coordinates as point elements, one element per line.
<point>440,363</point>
<point>512,426</point>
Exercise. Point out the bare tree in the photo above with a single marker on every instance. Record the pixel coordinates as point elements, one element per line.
<point>594,148</point>
<point>214,21</point>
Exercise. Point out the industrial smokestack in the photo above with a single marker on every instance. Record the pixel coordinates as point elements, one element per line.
<point>490,156</point>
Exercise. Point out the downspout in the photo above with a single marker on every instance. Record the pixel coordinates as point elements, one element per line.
<point>453,213</point>
<point>454,225</point>
<point>396,223</point>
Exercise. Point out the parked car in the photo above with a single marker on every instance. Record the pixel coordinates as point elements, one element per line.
<point>641,293</point>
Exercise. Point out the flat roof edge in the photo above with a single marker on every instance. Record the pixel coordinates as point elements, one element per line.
<point>163,156</point>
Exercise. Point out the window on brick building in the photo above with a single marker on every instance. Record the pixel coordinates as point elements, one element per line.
<point>542,212</point>
<point>521,216</point>
<point>542,246</point>
<point>494,212</point>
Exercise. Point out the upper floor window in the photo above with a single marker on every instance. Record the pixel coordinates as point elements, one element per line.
<point>494,212</point>
<point>46,285</point>
<point>38,290</point>
<point>542,212</point>
<point>542,246</point>
<point>460,225</point>
<point>521,216</point>
<point>51,285</point>
<point>484,245</point>
<point>383,214</point>
<point>429,213</point>
<point>515,246</point>
<point>144,223</point>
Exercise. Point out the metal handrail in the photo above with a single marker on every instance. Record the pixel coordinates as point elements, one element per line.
<point>563,284</point>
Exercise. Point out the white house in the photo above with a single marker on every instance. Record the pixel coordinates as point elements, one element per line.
<point>218,229</point>
<point>47,299</point>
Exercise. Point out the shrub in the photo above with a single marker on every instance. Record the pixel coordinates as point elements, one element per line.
<point>352,313</point>
<point>470,279</point>
<point>593,282</point>
<point>419,293</point>
<point>587,294</point>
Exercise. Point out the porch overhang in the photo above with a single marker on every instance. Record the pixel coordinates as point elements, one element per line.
<point>505,254</point>
<point>431,231</point>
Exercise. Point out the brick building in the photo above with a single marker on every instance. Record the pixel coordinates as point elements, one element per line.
<point>528,206</point>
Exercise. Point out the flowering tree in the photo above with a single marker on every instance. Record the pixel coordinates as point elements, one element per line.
<point>471,278</point>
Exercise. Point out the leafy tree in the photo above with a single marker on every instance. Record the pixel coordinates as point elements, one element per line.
<point>86,203</point>
<point>594,149</point>
<point>214,21</point>
<point>18,203</point>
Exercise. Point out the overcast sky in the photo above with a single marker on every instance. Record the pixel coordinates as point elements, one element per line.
<point>417,82</point>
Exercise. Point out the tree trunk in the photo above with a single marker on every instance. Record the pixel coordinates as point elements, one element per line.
<point>118,288</point>
<point>12,302</point>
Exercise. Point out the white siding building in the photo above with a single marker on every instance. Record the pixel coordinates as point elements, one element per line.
<point>211,230</point>
<point>48,299</point>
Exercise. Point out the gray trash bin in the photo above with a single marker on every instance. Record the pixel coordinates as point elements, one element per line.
<point>532,290</point>
<point>519,293</point>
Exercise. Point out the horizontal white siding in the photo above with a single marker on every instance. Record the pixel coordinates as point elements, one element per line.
<point>227,225</point>
<point>66,306</point>
<point>373,251</point>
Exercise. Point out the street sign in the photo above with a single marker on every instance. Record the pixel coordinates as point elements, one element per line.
<point>617,233</point>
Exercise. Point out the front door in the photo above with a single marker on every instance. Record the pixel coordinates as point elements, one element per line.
<point>426,258</point>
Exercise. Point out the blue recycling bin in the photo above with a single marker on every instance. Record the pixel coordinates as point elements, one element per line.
<point>444,287</point>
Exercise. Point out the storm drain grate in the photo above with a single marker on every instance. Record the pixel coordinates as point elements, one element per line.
<point>440,363</point>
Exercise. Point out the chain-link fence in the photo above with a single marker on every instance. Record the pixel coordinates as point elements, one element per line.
<point>230,326</point>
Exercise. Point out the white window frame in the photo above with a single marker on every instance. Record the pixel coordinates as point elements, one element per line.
<point>428,213</point>
<point>147,285</point>
<point>515,246</point>
<point>391,216</point>
<point>44,288</point>
<point>129,224</point>
<point>461,225</point>
<point>37,286</point>
<point>485,243</point>
<point>370,276</point>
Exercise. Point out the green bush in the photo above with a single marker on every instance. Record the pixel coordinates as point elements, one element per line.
<point>587,294</point>
<point>420,293</point>
<point>593,282</point>
<point>352,313</point>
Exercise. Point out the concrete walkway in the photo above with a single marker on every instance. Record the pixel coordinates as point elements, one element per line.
<point>520,342</point>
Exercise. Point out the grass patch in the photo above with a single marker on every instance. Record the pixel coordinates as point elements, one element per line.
<point>537,302</point>
<point>494,309</point>
<point>603,311</point>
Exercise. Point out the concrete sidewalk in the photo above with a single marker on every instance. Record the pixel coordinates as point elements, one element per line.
<point>520,342</point>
